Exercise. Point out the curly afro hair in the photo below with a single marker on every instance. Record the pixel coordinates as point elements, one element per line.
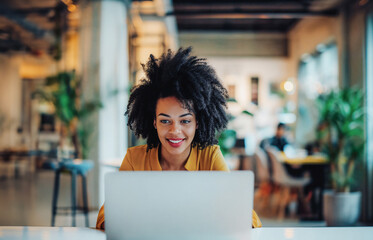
<point>192,82</point>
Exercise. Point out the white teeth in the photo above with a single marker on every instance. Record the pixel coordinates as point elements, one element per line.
<point>175,141</point>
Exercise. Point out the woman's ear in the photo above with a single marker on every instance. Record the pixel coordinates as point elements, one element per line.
<point>155,126</point>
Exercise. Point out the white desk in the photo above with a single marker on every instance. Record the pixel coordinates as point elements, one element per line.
<point>50,233</point>
<point>316,233</point>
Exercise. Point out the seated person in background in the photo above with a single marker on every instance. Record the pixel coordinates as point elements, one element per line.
<point>177,108</point>
<point>279,140</point>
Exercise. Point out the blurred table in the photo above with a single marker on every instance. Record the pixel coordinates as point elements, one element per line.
<point>316,166</point>
<point>302,159</point>
<point>113,163</point>
<point>12,160</point>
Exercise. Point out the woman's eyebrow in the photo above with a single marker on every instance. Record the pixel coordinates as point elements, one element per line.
<point>182,115</point>
<point>186,114</point>
<point>163,114</point>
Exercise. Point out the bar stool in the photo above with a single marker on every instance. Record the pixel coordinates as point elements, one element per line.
<point>75,167</point>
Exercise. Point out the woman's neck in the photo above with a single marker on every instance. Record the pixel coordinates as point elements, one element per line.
<point>171,162</point>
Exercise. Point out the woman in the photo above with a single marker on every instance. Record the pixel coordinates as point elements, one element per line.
<point>178,108</point>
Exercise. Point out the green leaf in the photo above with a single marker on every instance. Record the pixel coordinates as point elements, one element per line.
<point>247,112</point>
<point>63,91</point>
<point>231,100</point>
<point>227,140</point>
<point>341,131</point>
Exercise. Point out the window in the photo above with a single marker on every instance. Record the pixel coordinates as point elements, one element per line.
<point>369,120</point>
<point>318,73</point>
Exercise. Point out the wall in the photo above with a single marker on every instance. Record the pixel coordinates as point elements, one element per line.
<point>10,99</point>
<point>307,34</point>
<point>356,25</point>
<point>348,31</point>
<point>14,68</point>
<point>368,204</point>
<point>238,71</point>
<point>235,43</point>
<point>304,38</point>
<point>236,58</point>
<point>356,17</point>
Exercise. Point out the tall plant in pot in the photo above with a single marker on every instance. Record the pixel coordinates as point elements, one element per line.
<point>341,134</point>
<point>64,92</point>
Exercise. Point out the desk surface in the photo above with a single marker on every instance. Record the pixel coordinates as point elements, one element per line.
<point>311,159</point>
<point>319,233</point>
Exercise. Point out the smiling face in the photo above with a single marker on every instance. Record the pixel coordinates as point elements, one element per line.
<point>176,127</point>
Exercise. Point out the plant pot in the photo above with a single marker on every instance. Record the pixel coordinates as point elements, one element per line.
<point>341,209</point>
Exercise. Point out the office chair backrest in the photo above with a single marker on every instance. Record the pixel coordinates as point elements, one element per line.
<point>279,174</point>
<point>262,168</point>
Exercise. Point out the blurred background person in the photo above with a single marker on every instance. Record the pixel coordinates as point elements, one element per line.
<point>279,140</point>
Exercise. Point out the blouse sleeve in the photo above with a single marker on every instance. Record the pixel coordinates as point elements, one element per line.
<point>100,224</point>
<point>256,223</point>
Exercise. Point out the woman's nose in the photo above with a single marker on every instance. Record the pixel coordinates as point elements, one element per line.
<point>175,128</point>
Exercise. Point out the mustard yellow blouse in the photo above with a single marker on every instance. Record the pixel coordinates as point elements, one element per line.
<point>138,159</point>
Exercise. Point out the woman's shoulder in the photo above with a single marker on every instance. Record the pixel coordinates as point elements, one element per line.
<point>211,158</point>
<point>210,149</point>
<point>141,151</point>
<point>140,148</point>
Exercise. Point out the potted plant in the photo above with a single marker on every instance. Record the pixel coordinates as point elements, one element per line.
<point>341,135</point>
<point>227,139</point>
<point>63,91</point>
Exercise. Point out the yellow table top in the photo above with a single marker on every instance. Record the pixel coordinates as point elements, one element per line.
<point>312,159</point>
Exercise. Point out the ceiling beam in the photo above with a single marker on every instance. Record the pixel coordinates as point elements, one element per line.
<point>24,23</point>
<point>7,45</point>
<point>241,6</point>
<point>26,11</point>
<point>252,15</point>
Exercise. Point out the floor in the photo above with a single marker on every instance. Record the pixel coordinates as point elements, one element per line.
<point>27,201</point>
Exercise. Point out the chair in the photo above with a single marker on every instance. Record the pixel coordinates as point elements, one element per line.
<point>7,166</point>
<point>279,175</point>
<point>286,183</point>
<point>262,168</point>
<point>75,167</point>
<point>264,186</point>
<point>24,162</point>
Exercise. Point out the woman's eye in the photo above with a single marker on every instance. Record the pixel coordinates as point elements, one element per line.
<point>185,121</point>
<point>164,121</point>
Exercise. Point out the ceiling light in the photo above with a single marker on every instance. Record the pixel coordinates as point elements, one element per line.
<point>288,86</point>
<point>71,8</point>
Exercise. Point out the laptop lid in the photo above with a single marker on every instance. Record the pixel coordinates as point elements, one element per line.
<point>178,205</point>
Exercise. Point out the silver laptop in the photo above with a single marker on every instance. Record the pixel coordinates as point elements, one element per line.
<point>178,205</point>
